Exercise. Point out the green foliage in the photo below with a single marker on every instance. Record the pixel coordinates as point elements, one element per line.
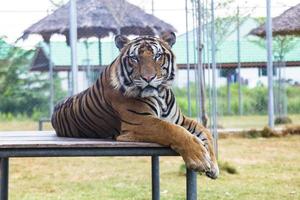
<point>281,45</point>
<point>227,167</point>
<point>255,100</point>
<point>253,133</point>
<point>22,91</point>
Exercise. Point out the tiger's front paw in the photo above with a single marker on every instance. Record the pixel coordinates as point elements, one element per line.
<point>197,158</point>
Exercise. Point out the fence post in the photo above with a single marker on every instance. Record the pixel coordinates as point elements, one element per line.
<point>40,125</point>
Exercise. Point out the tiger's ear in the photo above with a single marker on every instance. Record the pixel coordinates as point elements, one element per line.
<point>121,41</point>
<point>169,37</point>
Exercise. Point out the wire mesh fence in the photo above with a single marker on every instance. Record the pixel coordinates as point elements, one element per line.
<point>240,100</point>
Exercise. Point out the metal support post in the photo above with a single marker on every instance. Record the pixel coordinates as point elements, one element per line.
<point>73,42</point>
<point>187,59</point>
<point>239,62</point>
<point>155,177</point>
<point>40,125</point>
<point>191,185</point>
<point>51,80</point>
<point>4,178</point>
<point>214,74</point>
<point>270,65</point>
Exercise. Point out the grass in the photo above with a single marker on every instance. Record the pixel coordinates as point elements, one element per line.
<point>267,169</point>
<point>262,174</point>
<point>253,121</point>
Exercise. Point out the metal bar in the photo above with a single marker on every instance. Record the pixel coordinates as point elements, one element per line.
<point>201,70</point>
<point>214,74</point>
<point>100,54</point>
<point>51,81</point>
<point>191,185</point>
<point>155,177</point>
<point>4,170</point>
<point>187,59</point>
<point>239,61</point>
<point>40,125</point>
<point>195,58</point>
<point>66,152</point>
<point>73,42</point>
<point>270,65</point>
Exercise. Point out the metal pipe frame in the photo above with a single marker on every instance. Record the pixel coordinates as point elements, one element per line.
<point>191,177</point>
<point>270,65</point>
<point>4,178</point>
<point>191,185</point>
<point>155,177</point>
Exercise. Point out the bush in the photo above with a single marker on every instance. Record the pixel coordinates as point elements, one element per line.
<point>283,120</point>
<point>227,167</point>
<point>253,133</point>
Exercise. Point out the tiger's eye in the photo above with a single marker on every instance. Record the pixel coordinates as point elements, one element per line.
<point>158,56</point>
<point>133,58</point>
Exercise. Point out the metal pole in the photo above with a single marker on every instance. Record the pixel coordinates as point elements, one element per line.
<point>187,59</point>
<point>51,103</point>
<point>152,7</point>
<point>40,125</point>
<point>4,170</point>
<point>208,62</point>
<point>100,54</point>
<point>191,185</point>
<point>73,42</point>
<point>239,62</point>
<point>88,64</point>
<point>195,32</point>
<point>270,65</point>
<point>155,177</point>
<point>214,89</point>
<point>201,71</point>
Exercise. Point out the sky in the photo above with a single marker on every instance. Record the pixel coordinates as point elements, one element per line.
<point>17,15</point>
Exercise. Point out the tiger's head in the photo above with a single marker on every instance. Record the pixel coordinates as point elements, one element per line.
<point>145,66</point>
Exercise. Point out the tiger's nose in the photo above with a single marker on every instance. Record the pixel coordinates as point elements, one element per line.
<point>148,78</point>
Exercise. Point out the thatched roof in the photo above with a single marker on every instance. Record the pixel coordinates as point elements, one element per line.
<point>288,23</point>
<point>99,18</point>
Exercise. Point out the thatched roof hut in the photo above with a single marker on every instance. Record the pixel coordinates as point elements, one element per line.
<point>98,18</point>
<point>288,23</point>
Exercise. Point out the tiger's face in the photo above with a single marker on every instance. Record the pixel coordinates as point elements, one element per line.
<point>146,65</point>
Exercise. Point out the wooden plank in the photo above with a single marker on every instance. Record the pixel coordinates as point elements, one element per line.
<point>49,138</point>
<point>74,144</point>
<point>38,139</point>
<point>27,133</point>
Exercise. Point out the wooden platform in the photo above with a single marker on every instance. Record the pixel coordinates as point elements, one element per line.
<point>47,144</point>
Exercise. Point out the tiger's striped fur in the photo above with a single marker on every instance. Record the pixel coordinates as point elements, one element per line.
<point>132,100</point>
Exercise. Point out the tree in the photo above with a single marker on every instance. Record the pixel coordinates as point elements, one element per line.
<point>21,91</point>
<point>281,46</point>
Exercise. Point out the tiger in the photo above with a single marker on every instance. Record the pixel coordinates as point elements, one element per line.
<point>132,100</point>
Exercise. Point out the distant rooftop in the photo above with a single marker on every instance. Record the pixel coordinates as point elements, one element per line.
<point>252,55</point>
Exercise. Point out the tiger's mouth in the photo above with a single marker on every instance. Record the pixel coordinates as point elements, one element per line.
<point>149,91</point>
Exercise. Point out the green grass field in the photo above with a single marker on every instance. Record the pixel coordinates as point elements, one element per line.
<point>253,121</point>
<point>267,169</point>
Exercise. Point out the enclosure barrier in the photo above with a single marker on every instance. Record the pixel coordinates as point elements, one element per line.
<point>47,144</point>
<point>41,123</point>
